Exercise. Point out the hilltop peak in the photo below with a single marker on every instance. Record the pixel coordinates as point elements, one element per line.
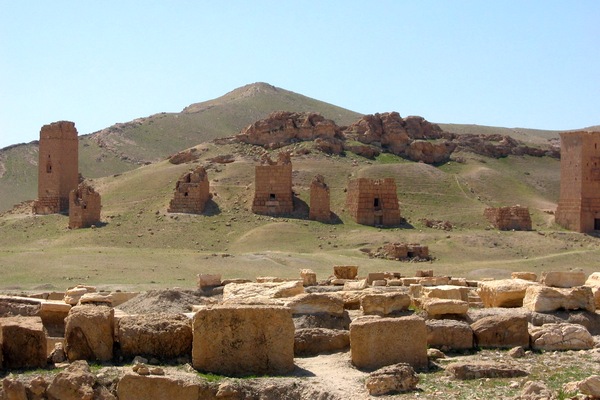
<point>246,91</point>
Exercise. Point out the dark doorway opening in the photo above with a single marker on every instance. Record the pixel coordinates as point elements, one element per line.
<point>597,224</point>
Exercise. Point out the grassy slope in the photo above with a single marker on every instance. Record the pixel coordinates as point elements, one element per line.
<point>143,246</point>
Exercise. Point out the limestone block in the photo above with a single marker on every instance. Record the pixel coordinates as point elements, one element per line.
<point>345,271</point>
<point>560,337</point>
<point>593,281</point>
<point>153,387</point>
<point>23,342</point>
<point>73,295</point>
<point>89,333</point>
<point>119,298</point>
<point>269,279</point>
<point>415,290</point>
<point>243,340</point>
<point>260,293</point>
<point>446,292</point>
<point>376,342</point>
<point>375,276</point>
<point>356,285</point>
<point>458,282</point>
<point>309,277</point>
<point>449,334</point>
<point>314,341</point>
<point>501,331</point>
<point>433,306</point>
<point>563,279</point>
<point>208,280</point>
<point>391,379</point>
<point>434,280</point>
<point>503,292</point>
<point>478,370</point>
<point>545,298</point>
<point>95,298</point>
<point>13,389</point>
<point>410,281</point>
<point>73,383</point>
<point>384,303</point>
<point>528,276</point>
<point>316,303</point>
<point>590,386</point>
<point>158,335</point>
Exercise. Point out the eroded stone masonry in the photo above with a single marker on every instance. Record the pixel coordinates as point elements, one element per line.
<point>509,218</point>
<point>192,192</point>
<point>373,201</point>
<point>273,186</point>
<point>579,203</point>
<point>320,208</point>
<point>84,207</point>
<point>58,172</point>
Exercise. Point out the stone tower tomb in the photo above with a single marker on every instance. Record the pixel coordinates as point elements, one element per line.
<point>579,202</point>
<point>373,201</point>
<point>84,207</point>
<point>58,172</point>
<point>192,192</point>
<point>320,209</point>
<point>273,186</point>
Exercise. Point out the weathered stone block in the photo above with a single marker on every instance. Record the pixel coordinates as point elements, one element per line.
<point>159,335</point>
<point>376,342</point>
<point>396,378</point>
<point>446,292</point>
<point>528,276</point>
<point>23,342</point>
<point>237,340</point>
<point>384,303</point>
<point>563,279</point>
<point>345,271</point>
<point>260,293</point>
<point>504,292</point>
<point>309,277</point>
<point>208,280</point>
<point>89,333</point>
<point>449,334</point>
<point>313,341</point>
<point>501,331</point>
<point>152,387</point>
<point>434,307</point>
<point>316,303</point>
<point>561,337</point>
<point>545,298</point>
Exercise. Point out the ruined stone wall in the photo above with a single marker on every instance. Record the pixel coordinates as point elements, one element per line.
<point>192,191</point>
<point>320,209</point>
<point>579,203</point>
<point>273,187</point>
<point>508,218</point>
<point>373,201</point>
<point>58,171</point>
<point>84,207</point>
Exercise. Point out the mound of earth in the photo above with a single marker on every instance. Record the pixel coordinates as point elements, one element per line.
<point>168,300</point>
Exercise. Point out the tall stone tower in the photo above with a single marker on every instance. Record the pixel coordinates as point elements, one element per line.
<point>273,186</point>
<point>58,171</point>
<point>579,203</point>
<point>373,202</point>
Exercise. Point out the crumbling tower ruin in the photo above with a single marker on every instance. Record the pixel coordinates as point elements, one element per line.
<point>320,209</point>
<point>58,172</point>
<point>373,202</point>
<point>579,203</point>
<point>509,218</point>
<point>192,192</point>
<point>84,207</point>
<point>273,186</point>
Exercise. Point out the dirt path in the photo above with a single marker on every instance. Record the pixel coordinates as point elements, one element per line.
<point>335,375</point>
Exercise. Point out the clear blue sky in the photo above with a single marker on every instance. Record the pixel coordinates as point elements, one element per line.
<point>511,63</point>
